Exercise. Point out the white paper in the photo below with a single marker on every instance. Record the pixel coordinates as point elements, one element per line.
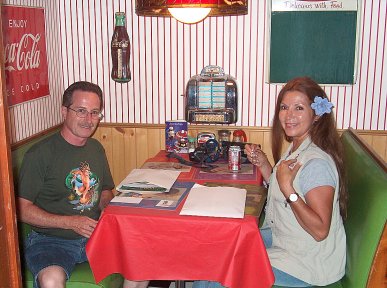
<point>162,179</point>
<point>123,199</point>
<point>215,201</point>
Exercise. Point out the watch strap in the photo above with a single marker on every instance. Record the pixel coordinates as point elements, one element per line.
<point>290,201</point>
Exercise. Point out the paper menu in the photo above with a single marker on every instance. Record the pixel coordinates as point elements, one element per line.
<point>164,201</point>
<point>215,201</point>
<point>144,181</point>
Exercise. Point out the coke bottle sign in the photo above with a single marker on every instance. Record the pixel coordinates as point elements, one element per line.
<point>25,57</point>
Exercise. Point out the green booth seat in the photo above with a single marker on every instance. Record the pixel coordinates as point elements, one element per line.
<point>81,277</point>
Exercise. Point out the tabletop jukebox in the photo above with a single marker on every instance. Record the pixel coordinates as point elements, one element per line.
<point>211,97</point>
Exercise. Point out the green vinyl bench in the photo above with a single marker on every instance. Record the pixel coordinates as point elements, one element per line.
<point>367,213</point>
<point>82,276</point>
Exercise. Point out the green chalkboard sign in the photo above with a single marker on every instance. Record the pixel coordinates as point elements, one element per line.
<point>318,44</point>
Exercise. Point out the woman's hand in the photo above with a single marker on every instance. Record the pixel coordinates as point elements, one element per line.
<point>286,172</point>
<point>314,214</point>
<point>258,158</point>
<point>255,155</point>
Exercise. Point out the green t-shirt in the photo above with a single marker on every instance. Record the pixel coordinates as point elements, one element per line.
<point>64,179</point>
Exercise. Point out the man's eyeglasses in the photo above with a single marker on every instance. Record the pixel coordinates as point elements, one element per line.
<point>83,113</point>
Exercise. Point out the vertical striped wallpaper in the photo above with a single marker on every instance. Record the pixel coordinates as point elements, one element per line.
<point>166,53</point>
<point>32,117</point>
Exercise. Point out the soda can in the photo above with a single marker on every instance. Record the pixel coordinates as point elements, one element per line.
<point>234,158</point>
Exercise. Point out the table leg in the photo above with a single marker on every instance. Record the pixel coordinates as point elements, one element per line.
<point>180,284</point>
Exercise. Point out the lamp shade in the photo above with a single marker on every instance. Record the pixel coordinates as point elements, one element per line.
<point>189,15</point>
<point>218,7</point>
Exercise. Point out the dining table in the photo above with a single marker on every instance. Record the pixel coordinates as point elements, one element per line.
<point>149,243</point>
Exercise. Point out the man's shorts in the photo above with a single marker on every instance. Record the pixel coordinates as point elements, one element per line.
<point>42,251</point>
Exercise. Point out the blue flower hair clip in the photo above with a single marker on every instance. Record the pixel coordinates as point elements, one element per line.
<point>321,106</point>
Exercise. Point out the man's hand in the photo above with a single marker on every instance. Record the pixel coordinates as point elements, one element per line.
<point>82,225</point>
<point>33,215</point>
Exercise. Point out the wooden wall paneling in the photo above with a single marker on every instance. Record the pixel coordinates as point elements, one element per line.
<point>106,140</point>
<point>250,135</point>
<point>96,134</point>
<point>129,146</point>
<point>266,145</point>
<point>268,152</point>
<point>379,143</point>
<point>367,138</point>
<point>118,154</point>
<point>377,140</point>
<point>154,143</point>
<point>262,137</point>
<point>129,157</point>
<point>255,137</point>
<point>142,143</point>
<point>162,138</point>
<point>192,132</point>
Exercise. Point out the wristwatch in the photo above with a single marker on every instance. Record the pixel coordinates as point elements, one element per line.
<point>292,197</point>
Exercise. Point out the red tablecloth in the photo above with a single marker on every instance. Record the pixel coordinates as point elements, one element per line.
<point>151,244</point>
<point>161,245</point>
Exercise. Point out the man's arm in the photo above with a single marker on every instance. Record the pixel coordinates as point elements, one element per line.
<point>106,197</point>
<point>33,215</point>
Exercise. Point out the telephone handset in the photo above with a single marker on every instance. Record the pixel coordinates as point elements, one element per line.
<point>208,152</point>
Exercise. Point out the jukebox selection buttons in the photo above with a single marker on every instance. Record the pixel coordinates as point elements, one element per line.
<point>209,118</point>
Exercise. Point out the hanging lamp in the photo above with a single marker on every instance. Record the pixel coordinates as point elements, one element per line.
<point>191,11</point>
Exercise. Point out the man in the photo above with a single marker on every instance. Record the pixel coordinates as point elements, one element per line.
<point>65,183</point>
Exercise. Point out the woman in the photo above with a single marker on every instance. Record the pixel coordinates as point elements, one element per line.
<point>303,229</point>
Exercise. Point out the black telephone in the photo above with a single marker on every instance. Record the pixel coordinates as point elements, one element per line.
<point>208,152</point>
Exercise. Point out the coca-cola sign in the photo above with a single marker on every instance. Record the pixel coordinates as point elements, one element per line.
<point>25,57</point>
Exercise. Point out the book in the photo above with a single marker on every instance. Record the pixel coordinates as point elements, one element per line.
<point>176,136</point>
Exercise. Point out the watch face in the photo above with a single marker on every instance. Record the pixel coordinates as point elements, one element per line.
<point>293,197</point>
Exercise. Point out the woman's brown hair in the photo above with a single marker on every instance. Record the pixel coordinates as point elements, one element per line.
<point>323,132</point>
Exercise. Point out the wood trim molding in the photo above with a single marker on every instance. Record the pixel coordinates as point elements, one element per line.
<point>10,275</point>
<point>192,126</point>
<point>378,273</point>
<point>219,127</point>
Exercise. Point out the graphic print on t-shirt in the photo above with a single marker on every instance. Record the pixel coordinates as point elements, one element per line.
<point>83,185</point>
